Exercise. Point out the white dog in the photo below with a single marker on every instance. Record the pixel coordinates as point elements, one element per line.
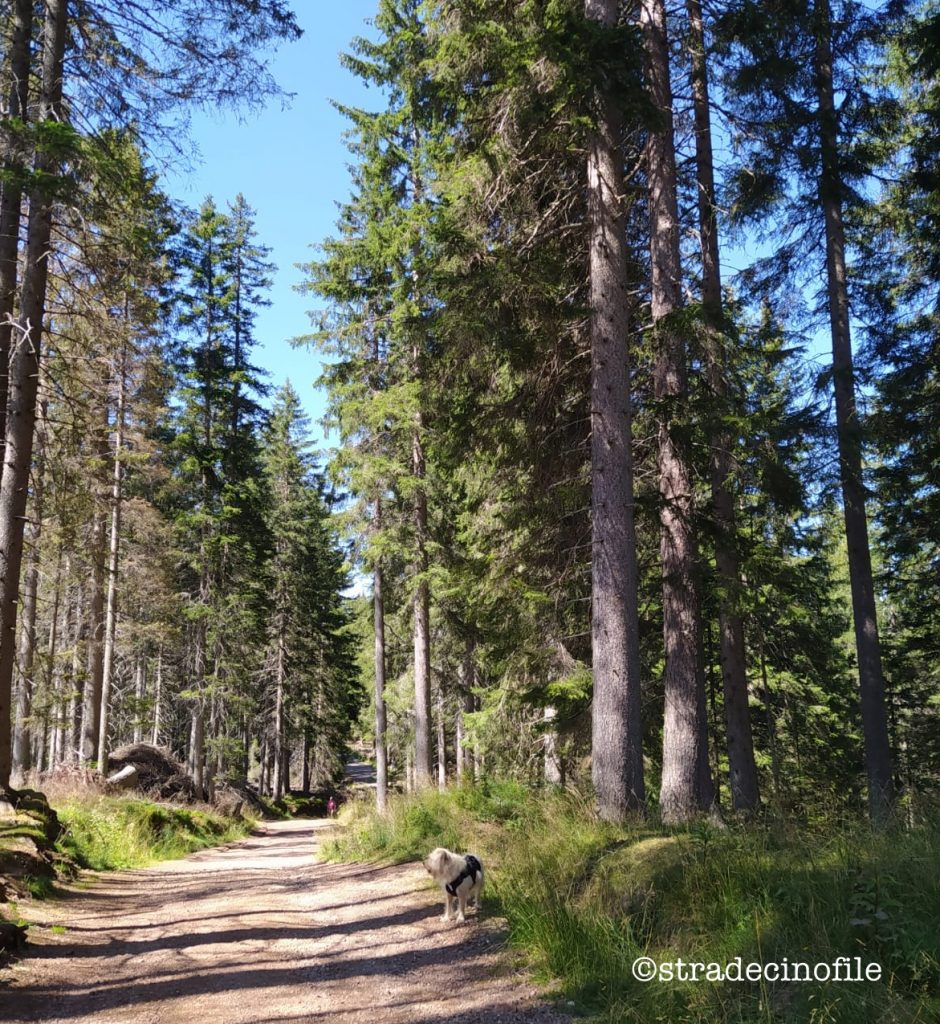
<point>459,876</point>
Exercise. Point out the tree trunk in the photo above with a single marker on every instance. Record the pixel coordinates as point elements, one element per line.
<point>91,705</point>
<point>52,681</point>
<point>441,743</point>
<point>197,747</point>
<point>771,724</point>
<point>552,765</point>
<point>157,699</point>
<point>24,689</point>
<point>139,689</point>
<point>16,79</point>
<point>114,548</point>
<point>305,763</point>
<point>24,376</point>
<point>458,743</point>
<point>422,613</point>
<point>681,793</point>
<point>741,764</point>
<point>263,766</point>
<point>849,430</point>
<point>381,748</point>
<point>75,697</point>
<point>278,780</point>
<point>616,731</point>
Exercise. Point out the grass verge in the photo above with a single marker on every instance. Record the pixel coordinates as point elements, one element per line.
<point>107,832</point>
<point>584,899</point>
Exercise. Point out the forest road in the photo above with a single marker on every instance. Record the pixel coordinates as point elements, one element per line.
<point>259,932</point>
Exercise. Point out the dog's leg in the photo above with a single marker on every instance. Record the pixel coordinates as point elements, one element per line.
<point>447,915</point>
<point>462,908</point>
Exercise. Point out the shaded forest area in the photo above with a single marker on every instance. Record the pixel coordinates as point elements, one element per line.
<point>634,519</point>
<point>631,521</point>
<point>170,571</point>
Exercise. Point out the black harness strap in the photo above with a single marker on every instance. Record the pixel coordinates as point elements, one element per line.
<point>470,871</point>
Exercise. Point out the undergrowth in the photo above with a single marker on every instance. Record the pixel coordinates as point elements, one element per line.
<point>107,832</point>
<point>585,898</point>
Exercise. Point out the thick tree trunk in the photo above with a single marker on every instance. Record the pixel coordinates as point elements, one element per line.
<point>741,764</point>
<point>616,731</point>
<point>849,429</point>
<point>681,793</point>
<point>27,654</point>
<point>16,81</point>
<point>381,748</point>
<point>24,377</point>
<point>114,548</point>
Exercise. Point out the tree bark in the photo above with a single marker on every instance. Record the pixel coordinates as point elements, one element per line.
<point>849,430</point>
<point>464,704</point>
<point>741,765</point>
<point>441,744</point>
<point>52,680</point>
<point>27,653</point>
<point>681,792</point>
<point>157,699</point>
<point>197,747</point>
<point>139,690</point>
<point>381,747</point>
<point>616,731</point>
<point>76,676</point>
<point>24,376</point>
<point>305,762</point>
<point>277,782</point>
<point>91,704</point>
<point>422,616</point>
<point>114,548</point>
<point>11,201</point>
<point>551,772</point>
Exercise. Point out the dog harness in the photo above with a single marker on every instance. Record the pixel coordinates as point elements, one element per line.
<point>470,871</point>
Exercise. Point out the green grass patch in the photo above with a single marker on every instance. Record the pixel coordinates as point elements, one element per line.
<point>105,832</point>
<point>584,898</point>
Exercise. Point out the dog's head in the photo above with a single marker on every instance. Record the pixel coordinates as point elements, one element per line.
<point>436,861</point>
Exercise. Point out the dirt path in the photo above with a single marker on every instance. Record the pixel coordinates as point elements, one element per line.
<point>258,932</point>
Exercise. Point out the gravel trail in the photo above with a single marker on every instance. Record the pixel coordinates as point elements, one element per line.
<point>259,932</point>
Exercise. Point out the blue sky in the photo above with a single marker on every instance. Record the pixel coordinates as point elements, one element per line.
<point>291,166</point>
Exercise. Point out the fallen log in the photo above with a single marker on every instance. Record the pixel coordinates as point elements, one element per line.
<point>126,778</point>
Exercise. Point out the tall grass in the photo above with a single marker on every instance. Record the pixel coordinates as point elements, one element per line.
<point>584,898</point>
<point>105,832</point>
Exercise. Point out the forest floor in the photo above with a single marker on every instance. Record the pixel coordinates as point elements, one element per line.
<point>258,931</point>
